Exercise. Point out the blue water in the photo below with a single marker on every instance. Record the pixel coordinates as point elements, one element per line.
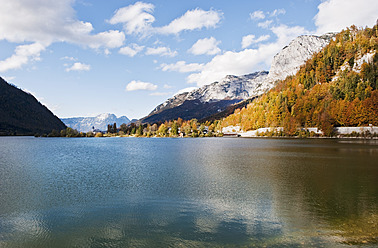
<point>163,192</point>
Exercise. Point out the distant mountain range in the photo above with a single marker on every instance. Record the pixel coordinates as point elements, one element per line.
<point>22,114</point>
<point>219,97</point>
<point>86,124</point>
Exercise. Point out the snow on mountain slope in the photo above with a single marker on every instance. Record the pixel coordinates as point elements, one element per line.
<point>85,124</point>
<point>230,88</point>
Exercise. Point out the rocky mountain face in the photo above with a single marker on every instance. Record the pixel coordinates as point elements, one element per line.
<point>210,99</point>
<point>214,98</point>
<point>22,114</point>
<point>230,88</point>
<point>288,61</point>
<point>86,124</point>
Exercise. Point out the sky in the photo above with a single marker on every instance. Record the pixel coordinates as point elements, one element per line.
<point>87,57</point>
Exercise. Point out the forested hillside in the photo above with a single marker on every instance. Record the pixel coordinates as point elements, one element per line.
<point>22,114</point>
<point>336,87</point>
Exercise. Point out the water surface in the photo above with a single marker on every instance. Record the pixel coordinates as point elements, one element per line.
<point>210,192</point>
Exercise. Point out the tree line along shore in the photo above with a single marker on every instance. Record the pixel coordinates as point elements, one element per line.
<point>193,128</point>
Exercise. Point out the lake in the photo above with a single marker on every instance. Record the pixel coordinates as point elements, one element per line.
<point>204,192</point>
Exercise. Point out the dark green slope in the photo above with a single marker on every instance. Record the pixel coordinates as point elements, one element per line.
<point>22,114</point>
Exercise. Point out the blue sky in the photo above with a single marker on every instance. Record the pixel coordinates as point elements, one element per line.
<point>83,58</point>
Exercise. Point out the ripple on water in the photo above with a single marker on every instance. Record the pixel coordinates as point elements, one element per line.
<point>185,192</point>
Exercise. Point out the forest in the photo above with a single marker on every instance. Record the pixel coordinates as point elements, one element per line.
<point>331,89</point>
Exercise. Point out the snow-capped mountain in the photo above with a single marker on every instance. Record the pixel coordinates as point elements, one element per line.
<point>288,61</point>
<point>230,88</point>
<point>216,97</point>
<point>86,124</point>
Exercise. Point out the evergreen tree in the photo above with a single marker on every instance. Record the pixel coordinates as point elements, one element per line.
<point>174,129</point>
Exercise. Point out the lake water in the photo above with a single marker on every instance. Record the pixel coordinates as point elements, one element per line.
<point>209,192</point>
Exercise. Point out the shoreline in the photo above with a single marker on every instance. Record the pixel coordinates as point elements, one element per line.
<point>227,136</point>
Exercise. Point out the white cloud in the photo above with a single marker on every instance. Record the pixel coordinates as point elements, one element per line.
<point>139,85</point>
<point>162,51</point>
<point>167,86</point>
<point>245,61</point>
<point>205,46</point>
<point>277,12</point>
<point>182,66</point>
<point>78,67</point>
<point>107,51</point>
<point>136,18</point>
<point>68,58</point>
<point>45,22</point>
<point>260,15</point>
<point>265,24</point>
<point>335,15</point>
<point>23,54</point>
<point>107,39</point>
<point>250,39</point>
<point>131,50</point>
<point>257,15</point>
<point>192,20</point>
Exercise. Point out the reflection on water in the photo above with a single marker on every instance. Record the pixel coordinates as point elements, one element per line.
<point>128,192</point>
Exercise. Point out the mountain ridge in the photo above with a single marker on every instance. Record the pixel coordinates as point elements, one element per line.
<point>230,88</point>
<point>101,121</point>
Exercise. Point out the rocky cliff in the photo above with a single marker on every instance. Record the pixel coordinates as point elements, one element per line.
<point>288,61</point>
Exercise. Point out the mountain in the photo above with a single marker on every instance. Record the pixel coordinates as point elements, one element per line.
<point>336,87</point>
<point>220,98</point>
<point>209,99</point>
<point>285,63</point>
<point>288,61</point>
<point>85,124</point>
<point>22,114</point>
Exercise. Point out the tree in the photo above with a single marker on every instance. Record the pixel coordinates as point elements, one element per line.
<point>154,128</point>
<point>326,124</point>
<point>186,129</point>
<point>139,131</point>
<point>162,131</point>
<point>115,127</point>
<point>202,128</point>
<point>124,128</point>
<point>174,129</point>
<point>54,133</point>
